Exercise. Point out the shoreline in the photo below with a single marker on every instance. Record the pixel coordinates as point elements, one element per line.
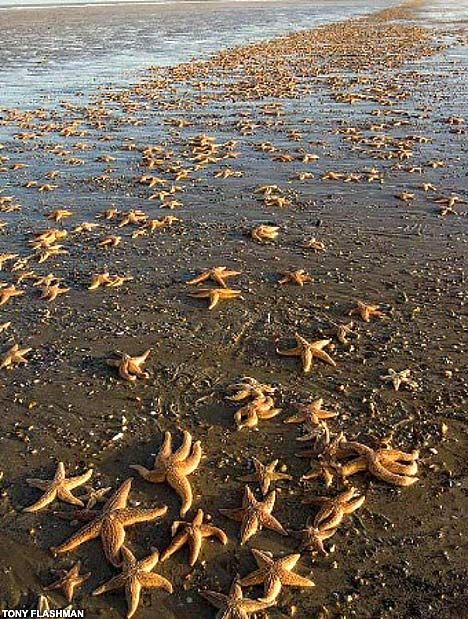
<point>358,119</point>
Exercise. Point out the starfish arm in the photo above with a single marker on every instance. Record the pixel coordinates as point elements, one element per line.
<point>149,580</point>
<point>218,600</point>
<point>60,472</point>
<point>396,454</point>
<point>201,278</point>
<point>210,531</point>
<point>134,515</point>
<point>175,545</point>
<point>195,544</point>
<point>183,488</point>
<point>192,462</point>
<point>166,448</point>
<point>353,505</point>
<point>354,466</point>
<point>402,469</point>
<point>114,583</point>
<point>272,587</point>
<point>86,533</point>
<point>269,414</point>
<point>253,606</point>
<point>307,360</point>
<point>149,563</point>
<point>65,495</point>
<point>132,595</point>
<point>323,356</point>
<point>299,418</point>
<point>294,580</point>
<point>250,526</point>
<point>270,522</point>
<point>255,578</point>
<point>381,472</point>
<point>214,298</point>
<point>45,500</point>
<point>289,561</point>
<point>120,497</point>
<point>293,352</point>
<point>184,450</point>
<point>112,538</point>
<point>269,501</point>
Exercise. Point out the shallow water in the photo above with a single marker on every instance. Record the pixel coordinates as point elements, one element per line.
<point>51,51</point>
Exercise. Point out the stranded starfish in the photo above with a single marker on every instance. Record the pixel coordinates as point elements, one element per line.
<point>307,351</point>
<point>14,356</point>
<point>192,533</point>
<point>174,468</point>
<point>254,515</point>
<point>249,415</point>
<point>391,465</point>
<point>274,574</point>
<point>313,538</point>
<point>58,488</point>
<point>217,274</point>
<point>50,293</point>
<point>265,474</point>
<point>311,414</point>
<point>400,378</point>
<point>367,311</point>
<point>130,367</point>
<point>8,292</point>
<point>264,233</point>
<point>333,510</point>
<point>215,295</point>
<point>69,582</point>
<point>110,523</point>
<point>234,605</point>
<point>248,387</point>
<point>135,576</point>
<point>299,277</point>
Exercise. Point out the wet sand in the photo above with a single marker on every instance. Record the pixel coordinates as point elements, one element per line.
<point>400,555</point>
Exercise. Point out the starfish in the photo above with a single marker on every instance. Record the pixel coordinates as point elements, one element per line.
<point>69,581</point>
<point>367,311</point>
<point>110,523</point>
<point>133,218</point>
<point>94,496</point>
<point>264,233</point>
<point>265,474</point>
<point>14,356</point>
<point>5,258</point>
<point>58,488</point>
<point>85,227</point>
<point>9,292</point>
<point>333,510</point>
<point>247,387</point>
<point>119,280</point>
<point>192,533</point>
<point>345,330</point>
<point>110,241</point>
<point>250,414</point>
<point>110,213</point>
<point>400,378</point>
<point>307,351</point>
<point>50,293</point>
<point>254,515</point>
<point>391,465</point>
<point>299,277</point>
<point>311,414</point>
<point>135,576</point>
<point>313,538</point>
<point>59,214</point>
<point>174,467</point>
<point>234,605</point>
<point>215,295</point>
<point>315,244</point>
<point>50,252</point>
<point>328,465</point>
<point>217,274</point>
<point>130,368</point>
<point>100,279</point>
<point>274,574</point>
<point>4,326</point>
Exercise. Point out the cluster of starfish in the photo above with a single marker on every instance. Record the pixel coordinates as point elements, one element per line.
<point>260,404</point>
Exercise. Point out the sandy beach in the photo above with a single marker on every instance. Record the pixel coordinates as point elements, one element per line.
<point>337,153</point>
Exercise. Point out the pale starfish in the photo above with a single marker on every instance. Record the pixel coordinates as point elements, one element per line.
<point>135,576</point>
<point>50,293</point>
<point>327,461</point>
<point>59,487</point>
<point>8,293</point>
<point>315,244</point>
<point>130,368</point>
<point>14,356</point>
<point>59,214</point>
<point>313,538</point>
<point>400,378</point>
<point>217,274</point>
<point>69,581</point>
<point>274,574</point>
<point>94,495</point>
<point>110,523</point>
<point>110,241</point>
<point>254,515</point>
<point>85,227</point>
<point>307,351</point>
<point>174,467</point>
<point>265,475</point>
<point>234,605</point>
<point>250,414</point>
<point>333,510</point>
<point>311,414</point>
<point>367,311</point>
<point>248,387</point>
<point>192,533</point>
<point>264,233</point>
<point>100,279</point>
<point>215,295</point>
<point>299,277</point>
<point>119,280</point>
<point>390,465</point>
